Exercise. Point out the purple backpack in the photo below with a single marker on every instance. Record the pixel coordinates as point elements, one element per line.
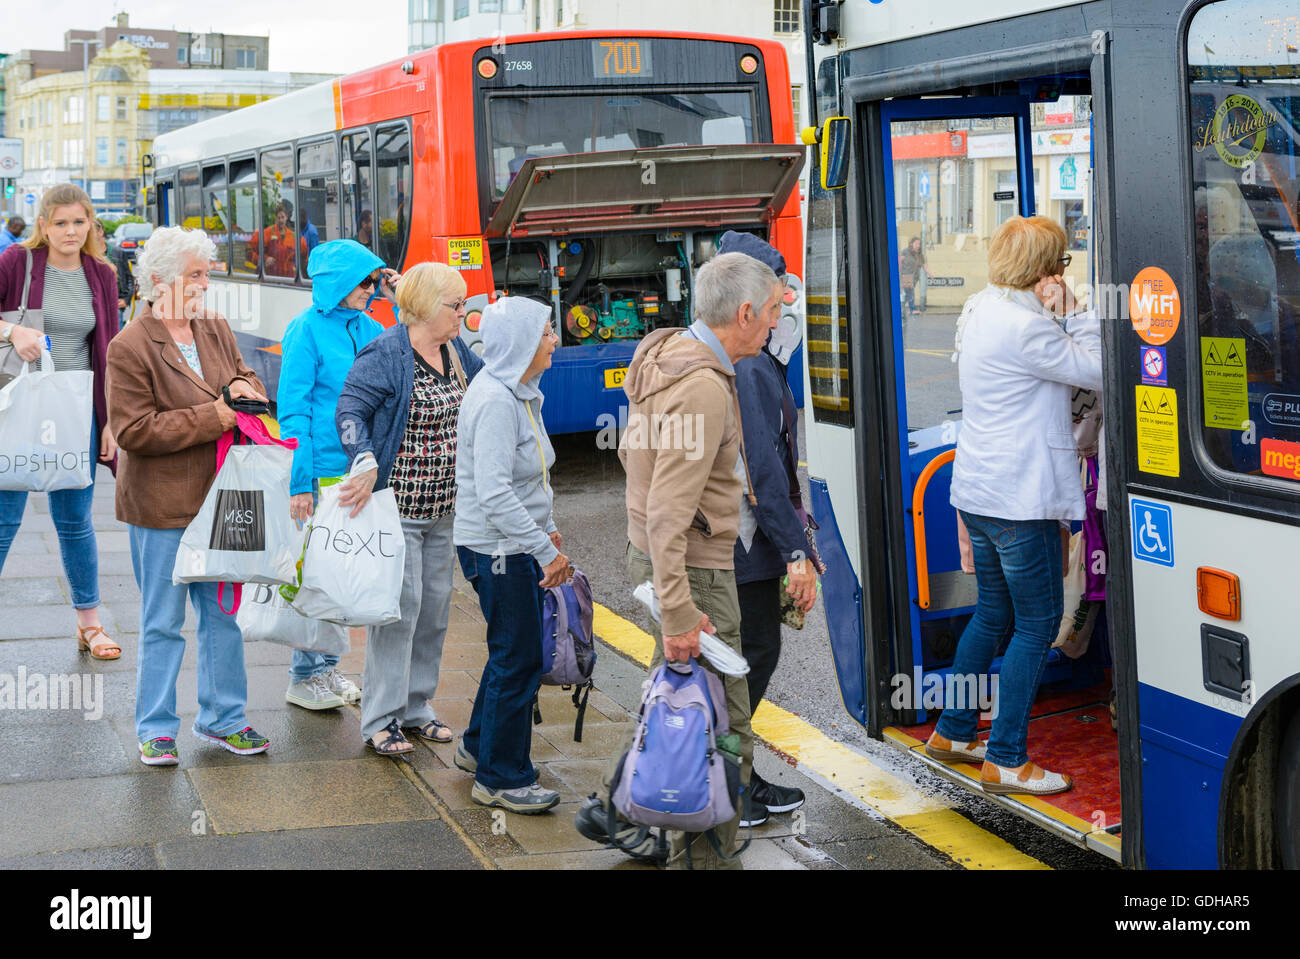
<point>568,643</point>
<point>674,776</point>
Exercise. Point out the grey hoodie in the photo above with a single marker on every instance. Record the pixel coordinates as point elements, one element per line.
<point>503,493</point>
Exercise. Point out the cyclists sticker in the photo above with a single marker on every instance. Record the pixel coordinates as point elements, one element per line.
<point>1157,430</point>
<point>1153,532</point>
<point>1154,371</point>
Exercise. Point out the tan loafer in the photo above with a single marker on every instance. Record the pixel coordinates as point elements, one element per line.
<point>1029,779</point>
<point>86,640</point>
<point>947,751</point>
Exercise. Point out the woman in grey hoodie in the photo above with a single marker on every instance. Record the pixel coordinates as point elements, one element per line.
<point>512,548</point>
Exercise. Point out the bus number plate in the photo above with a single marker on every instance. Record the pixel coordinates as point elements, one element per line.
<point>614,377</point>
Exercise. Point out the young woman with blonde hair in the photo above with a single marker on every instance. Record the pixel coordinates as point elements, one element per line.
<point>74,289</point>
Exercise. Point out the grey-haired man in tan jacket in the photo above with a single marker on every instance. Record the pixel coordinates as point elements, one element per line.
<point>685,478</point>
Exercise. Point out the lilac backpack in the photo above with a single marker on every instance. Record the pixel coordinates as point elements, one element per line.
<point>568,644</point>
<point>674,775</point>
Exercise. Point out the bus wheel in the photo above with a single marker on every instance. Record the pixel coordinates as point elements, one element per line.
<point>1288,794</point>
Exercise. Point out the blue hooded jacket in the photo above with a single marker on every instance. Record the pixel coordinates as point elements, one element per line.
<point>319,347</point>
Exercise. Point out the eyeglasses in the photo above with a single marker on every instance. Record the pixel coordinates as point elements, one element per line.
<point>457,306</point>
<point>1065,260</point>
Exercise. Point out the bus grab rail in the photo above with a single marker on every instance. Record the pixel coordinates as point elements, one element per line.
<point>918,524</point>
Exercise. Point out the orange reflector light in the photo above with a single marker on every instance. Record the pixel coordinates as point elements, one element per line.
<point>487,68</point>
<point>748,63</point>
<point>472,321</point>
<point>1218,593</point>
<point>789,297</point>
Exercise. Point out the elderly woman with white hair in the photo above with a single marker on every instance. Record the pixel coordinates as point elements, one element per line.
<point>400,405</point>
<point>166,373</point>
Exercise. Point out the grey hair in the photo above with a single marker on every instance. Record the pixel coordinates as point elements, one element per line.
<point>729,280</point>
<point>165,254</point>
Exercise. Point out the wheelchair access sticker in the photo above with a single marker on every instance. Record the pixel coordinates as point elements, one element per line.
<point>1153,533</point>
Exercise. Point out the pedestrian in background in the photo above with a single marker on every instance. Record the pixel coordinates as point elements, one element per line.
<point>772,542</point>
<point>910,265</point>
<point>12,232</point>
<point>503,518</point>
<point>278,241</point>
<point>1022,348</point>
<point>319,348</point>
<point>165,375</point>
<point>73,287</point>
<point>400,405</point>
<point>683,504</point>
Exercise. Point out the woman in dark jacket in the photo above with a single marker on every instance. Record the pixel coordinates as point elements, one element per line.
<point>398,411</point>
<point>772,543</point>
<point>76,291</point>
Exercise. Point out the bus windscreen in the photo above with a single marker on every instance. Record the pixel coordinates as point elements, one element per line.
<point>541,125</point>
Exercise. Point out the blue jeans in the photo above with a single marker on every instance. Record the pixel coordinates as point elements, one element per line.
<point>304,664</point>
<point>1018,571</point>
<point>222,682</point>
<point>70,511</point>
<point>500,732</point>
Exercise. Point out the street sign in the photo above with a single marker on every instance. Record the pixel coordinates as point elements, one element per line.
<point>11,157</point>
<point>923,185</point>
<point>30,198</point>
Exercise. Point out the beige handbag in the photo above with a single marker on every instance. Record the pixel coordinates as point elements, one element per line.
<point>11,363</point>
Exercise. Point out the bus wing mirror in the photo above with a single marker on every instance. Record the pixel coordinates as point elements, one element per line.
<point>834,139</point>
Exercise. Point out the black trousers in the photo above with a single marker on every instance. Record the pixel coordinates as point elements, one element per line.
<point>760,634</point>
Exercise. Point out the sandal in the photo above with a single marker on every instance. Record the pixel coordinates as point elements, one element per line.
<point>434,731</point>
<point>85,641</point>
<point>393,744</point>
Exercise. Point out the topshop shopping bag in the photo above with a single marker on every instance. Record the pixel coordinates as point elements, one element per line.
<point>45,424</point>
<point>243,533</point>
<point>352,568</point>
<point>264,615</point>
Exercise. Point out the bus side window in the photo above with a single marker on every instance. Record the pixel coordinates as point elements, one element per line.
<point>356,176</point>
<point>280,242</point>
<point>393,191</point>
<point>215,220</point>
<point>317,217</point>
<point>191,199</point>
<point>244,229</point>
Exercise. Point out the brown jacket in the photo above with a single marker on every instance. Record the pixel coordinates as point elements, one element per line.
<point>680,450</point>
<point>164,416</point>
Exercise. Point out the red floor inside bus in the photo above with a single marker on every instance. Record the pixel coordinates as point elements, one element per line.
<point>1069,731</point>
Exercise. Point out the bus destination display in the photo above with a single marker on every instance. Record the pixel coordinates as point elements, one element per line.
<point>620,58</point>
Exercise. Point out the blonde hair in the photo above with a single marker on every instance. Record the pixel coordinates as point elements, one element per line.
<point>1025,249</point>
<point>423,288</point>
<point>66,194</point>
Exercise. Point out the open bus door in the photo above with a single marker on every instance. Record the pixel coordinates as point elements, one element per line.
<point>927,159</point>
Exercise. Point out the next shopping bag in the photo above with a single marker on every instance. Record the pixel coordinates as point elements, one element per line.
<point>244,533</point>
<point>352,568</point>
<point>265,616</point>
<point>45,424</point>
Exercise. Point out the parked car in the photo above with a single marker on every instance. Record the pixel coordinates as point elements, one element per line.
<point>131,236</point>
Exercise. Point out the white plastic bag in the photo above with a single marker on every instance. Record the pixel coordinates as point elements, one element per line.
<point>243,533</point>
<point>45,423</point>
<point>265,616</point>
<point>352,569</point>
<point>1080,617</point>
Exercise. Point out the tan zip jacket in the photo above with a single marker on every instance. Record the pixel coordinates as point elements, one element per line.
<point>680,450</point>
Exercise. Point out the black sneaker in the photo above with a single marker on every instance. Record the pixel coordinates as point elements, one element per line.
<point>775,798</point>
<point>754,812</point>
<point>639,842</point>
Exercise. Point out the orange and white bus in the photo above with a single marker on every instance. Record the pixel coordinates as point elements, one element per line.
<point>592,171</point>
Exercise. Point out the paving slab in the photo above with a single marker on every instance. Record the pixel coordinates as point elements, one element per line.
<point>125,810</point>
<point>21,594</point>
<point>129,858</point>
<point>427,844</point>
<point>260,796</point>
<point>50,747</point>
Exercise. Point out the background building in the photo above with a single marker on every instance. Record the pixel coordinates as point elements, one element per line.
<point>446,21</point>
<point>91,127</point>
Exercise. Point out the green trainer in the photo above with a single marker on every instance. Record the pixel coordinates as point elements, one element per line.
<point>246,742</point>
<point>160,751</point>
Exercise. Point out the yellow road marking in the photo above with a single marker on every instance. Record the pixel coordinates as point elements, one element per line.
<point>946,354</point>
<point>840,767</point>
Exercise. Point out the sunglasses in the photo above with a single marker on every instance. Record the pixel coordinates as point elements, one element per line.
<point>368,283</point>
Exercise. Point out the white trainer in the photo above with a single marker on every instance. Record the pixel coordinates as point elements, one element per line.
<point>313,693</point>
<point>341,686</point>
